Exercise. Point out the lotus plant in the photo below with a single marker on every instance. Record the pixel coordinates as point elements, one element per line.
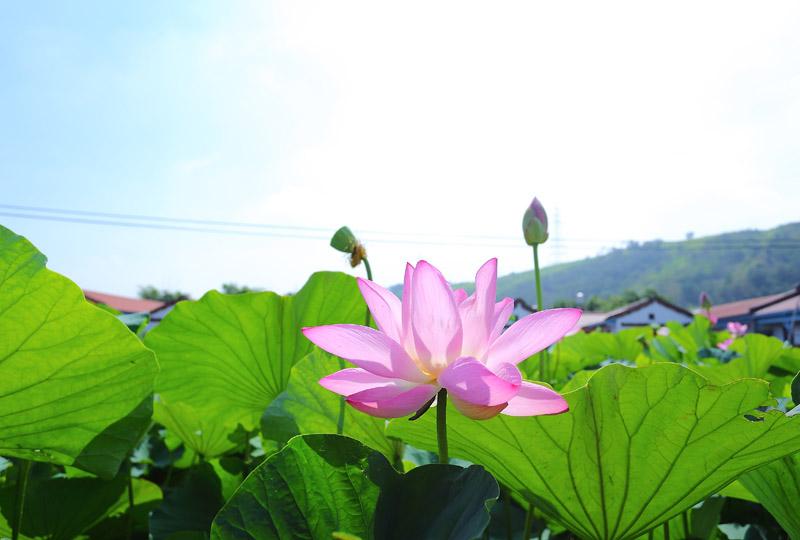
<point>705,306</point>
<point>437,341</point>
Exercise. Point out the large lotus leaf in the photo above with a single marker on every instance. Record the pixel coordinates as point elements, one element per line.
<point>307,407</point>
<point>638,446</point>
<point>189,507</point>
<point>75,384</point>
<point>204,434</point>
<point>64,508</point>
<point>229,356</point>
<point>318,485</point>
<point>777,486</point>
<point>436,502</point>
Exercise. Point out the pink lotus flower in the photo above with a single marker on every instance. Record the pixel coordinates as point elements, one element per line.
<point>440,338</point>
<point>736,330</point>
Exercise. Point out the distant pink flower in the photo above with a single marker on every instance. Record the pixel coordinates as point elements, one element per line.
<point>663,331</point>
<point>736,329</point>
<point>440,338</point>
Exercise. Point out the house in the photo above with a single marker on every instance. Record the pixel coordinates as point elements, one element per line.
<point>774,315</point>
<point>155,310</point>
<point>123,304</point>
<point>651,311</point>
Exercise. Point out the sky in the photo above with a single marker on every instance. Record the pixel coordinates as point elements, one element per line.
<point>427,127</point>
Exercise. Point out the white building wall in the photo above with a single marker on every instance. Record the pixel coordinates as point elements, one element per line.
<point>655,313</point>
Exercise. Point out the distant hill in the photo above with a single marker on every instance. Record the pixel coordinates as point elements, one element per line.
<point>728,266</point>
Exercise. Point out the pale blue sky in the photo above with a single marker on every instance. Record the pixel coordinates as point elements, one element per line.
<point>427,119</point>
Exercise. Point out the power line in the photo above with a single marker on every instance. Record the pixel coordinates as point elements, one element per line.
<point>91,221</point>
<point>279,231</point>
<point>238,224</point>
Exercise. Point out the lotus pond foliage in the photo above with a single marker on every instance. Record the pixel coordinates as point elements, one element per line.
<point>345,412</point>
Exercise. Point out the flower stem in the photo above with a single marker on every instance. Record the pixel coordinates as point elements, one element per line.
<point>539,307</point>
<point>441,425</point>
<point>539,304</point>
<point>369,277</point>
<point>528,522</point>
<point>19,502</point>
<point>368,267</point>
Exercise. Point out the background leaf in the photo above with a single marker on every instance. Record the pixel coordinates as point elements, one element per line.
<point>190,507</point>
<point>228,356</point>
<point>307,407</point>
<point>65,508</point>
<point>776,485</point>
<point>75,384</point>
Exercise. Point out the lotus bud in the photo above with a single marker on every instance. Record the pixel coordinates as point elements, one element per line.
<point>705,301</point>
<point>534,223</point>
<point>345,241</point>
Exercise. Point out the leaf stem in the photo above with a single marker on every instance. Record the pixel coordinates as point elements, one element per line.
<point>398,449</point>
<point>19,502</point>
<point>340,420</point>
<point>130,506</point>
<point>441,425</point>
<point>528,522</point>
<point>367,321</point>
<point>666,530</point>
<point>685,517</point>
<point>507,514</point>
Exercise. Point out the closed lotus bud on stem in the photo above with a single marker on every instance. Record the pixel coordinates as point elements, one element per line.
<point>534,223</point>
<point>705,301</point>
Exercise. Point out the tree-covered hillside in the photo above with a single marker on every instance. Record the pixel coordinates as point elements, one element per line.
<point>728,266</point>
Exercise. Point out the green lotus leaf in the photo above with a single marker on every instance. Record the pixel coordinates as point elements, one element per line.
<point>228,356</point>
<point>307,407</point>
<point>776,485</point>
<point>639,446</point>
<point>331,486</point>
<point>75,384</point>
<point>66,508</point>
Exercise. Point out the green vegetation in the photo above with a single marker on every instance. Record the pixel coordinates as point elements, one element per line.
<point>217,427</point>
<point>728,266</point>
<point>149,292</point>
